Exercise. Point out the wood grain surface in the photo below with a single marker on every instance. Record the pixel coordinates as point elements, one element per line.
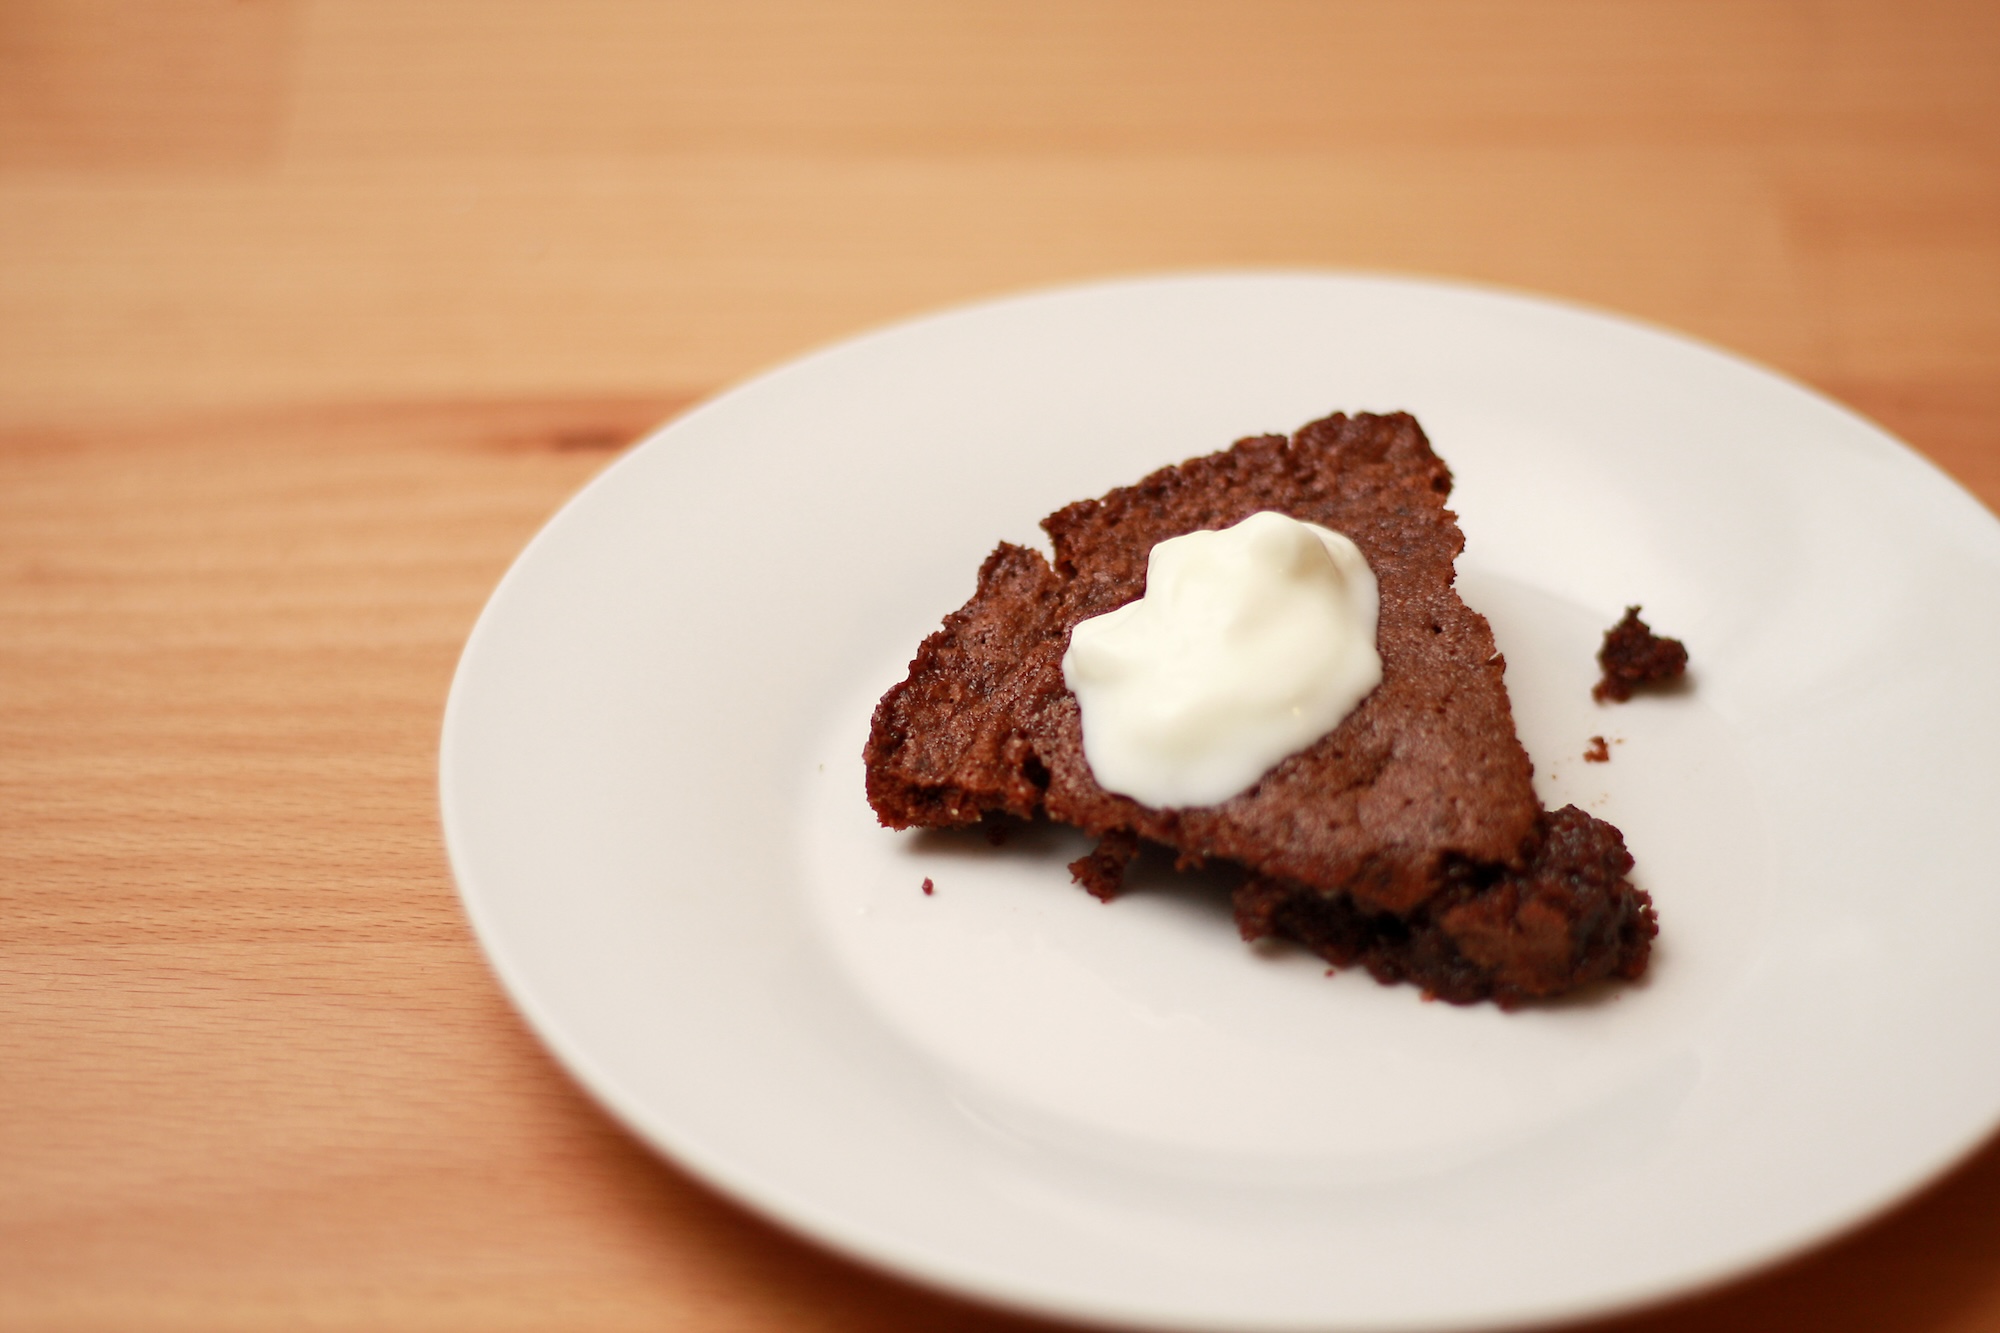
<point>311,313</point>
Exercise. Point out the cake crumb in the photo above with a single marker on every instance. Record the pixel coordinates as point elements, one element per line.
<point>1598,753</point>
<point>1102,872</point>
<point>1634,656</point>
<point>929,888</point>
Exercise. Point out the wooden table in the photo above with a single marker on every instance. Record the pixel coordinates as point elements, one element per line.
<point>310,313</point>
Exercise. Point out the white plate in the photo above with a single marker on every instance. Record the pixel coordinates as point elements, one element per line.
<point>652,797</point>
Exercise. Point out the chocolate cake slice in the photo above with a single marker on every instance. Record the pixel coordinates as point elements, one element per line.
<point>1408,840</point>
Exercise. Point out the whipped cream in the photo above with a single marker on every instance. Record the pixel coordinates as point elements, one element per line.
<point>1250,644</point>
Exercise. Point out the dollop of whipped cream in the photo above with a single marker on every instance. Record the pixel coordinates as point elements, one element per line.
<point>1250,644</point>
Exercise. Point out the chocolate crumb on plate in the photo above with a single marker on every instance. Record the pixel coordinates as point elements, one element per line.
<point>1633,656</point>
<point>1102,872</point>
<point>1598,753</point>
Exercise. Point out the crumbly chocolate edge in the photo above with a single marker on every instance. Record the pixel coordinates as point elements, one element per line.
<point>1566,919</point>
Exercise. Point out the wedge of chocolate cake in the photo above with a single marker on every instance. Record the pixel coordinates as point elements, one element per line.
<point>1408,839</point>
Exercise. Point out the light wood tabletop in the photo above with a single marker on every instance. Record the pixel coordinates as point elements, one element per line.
<point>311,313</point>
